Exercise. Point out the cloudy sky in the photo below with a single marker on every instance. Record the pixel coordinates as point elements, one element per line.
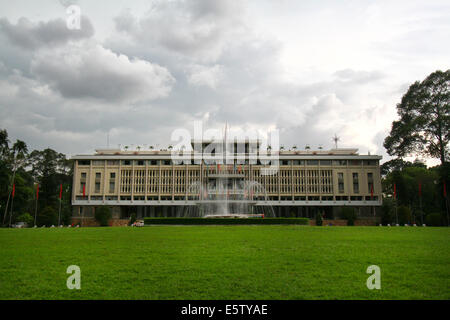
<point>140,69</point>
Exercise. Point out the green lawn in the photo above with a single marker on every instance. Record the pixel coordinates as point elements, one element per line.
<point>225,262</point>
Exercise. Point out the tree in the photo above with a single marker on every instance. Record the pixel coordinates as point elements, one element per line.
<point>48,216</point>
<point>27,218</point>
<point>102,215</point>
<point>319,219</point>
<point>424,124</point>
<point>349,214</point>
<point>404,215</point>
<point>50,169</point>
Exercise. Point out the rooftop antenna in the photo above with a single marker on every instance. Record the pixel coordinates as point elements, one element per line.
<point>107,139</point>
<point>336,139</point>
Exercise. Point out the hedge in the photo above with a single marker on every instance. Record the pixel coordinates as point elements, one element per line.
<point>225,221</point>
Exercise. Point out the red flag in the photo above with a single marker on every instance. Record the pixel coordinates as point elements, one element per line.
<point>445,191</point>
<point>14,190</point>
<point>37,192</point>
<point>60,191</point>
<point>218,167</point>
<point>84,190</point>
<point>395,191</point>
<point>240,168</point>
<point>420,189</point>
<point>371,191</point>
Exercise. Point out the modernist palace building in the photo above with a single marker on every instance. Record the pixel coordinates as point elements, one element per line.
<point>151,184</point>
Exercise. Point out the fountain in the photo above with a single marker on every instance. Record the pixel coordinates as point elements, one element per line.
<point>226,194</point>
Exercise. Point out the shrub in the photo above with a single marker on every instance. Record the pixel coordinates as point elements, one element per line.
<point>319,219</point>
<point>48,216</point>
<point>102,215</point>
<point>387,211</point>
<point>433,219</point>
<point>27,218</point>
<point>349,214</point>
<point>404,215</point>
<point>132,218</point>
<point>226,221</point>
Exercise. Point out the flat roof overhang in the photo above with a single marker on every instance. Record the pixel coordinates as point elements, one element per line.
<point>361,203</point>
<point>280,157</point>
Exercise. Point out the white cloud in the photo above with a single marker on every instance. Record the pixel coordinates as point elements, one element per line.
<point>308,69</point>
<point>205,76</point>
<point>87,70</point>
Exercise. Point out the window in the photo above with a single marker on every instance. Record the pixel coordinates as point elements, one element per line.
<point>153,162</point>
<point>97,187</point>
<point>370,181</point>
<point>339,162</point>
<point>355,162</point>
<point>325,162</point>
<point>341,182</point>
<point>82,181</point>
<point>98,162</point>
<point>370,162</point>
<point>355,182</point>
<point>299,162</point>
<point>312,162</point>
<point>140,162</point>
<point>113,162</point>
<point>84,162</point>
<point>126,162</point>
<point>112,186</point>
<point>98,175</point>
<point>112,182</point>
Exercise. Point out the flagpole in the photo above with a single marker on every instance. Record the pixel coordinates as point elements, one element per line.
<point>60,200</point>
<point>446,206</point>
<point>395,201</point>
<point>421,211</point>
<point>446,203</point>
<point>59,213</point>
<point>35,212</point>
<point>9,196</point>
<point>10,214</point>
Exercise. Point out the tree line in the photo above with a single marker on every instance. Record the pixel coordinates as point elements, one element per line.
<point>413,192</point>
<point>30,184</point>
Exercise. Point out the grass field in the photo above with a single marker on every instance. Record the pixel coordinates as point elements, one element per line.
<point>225,262</point>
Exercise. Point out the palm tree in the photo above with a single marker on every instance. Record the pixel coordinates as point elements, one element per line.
<point>20,149</point>
<point>4,142</point>
<point>18,158</point>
